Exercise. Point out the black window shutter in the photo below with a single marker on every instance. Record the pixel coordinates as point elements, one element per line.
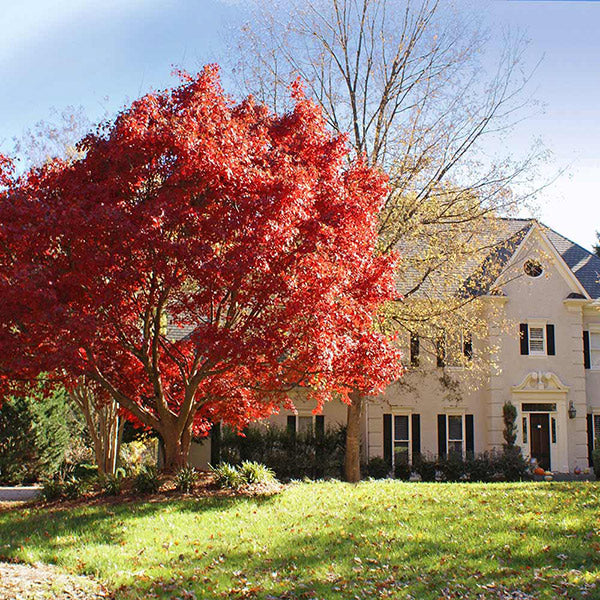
<point>414,349</point>
<point>469,434</point>
<point>586,350</point>
<point>590,437</point>
<point>524,334</point>
<point>416,436</point>
<point>291,423</point>
<point>320,425</point>
<point>215,444</point>
<point>550,344</point>
<point>387,438</point>
<point>468,346</point>
<point>442,447</point>
<point>440,348</point>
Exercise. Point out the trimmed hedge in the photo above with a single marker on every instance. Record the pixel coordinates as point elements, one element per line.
<point>288,454</point>
<point>489,466</point>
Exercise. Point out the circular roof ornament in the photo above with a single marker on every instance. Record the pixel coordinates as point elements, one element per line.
<point>533,268</point>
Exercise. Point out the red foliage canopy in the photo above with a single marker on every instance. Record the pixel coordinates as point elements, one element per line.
<point>200,259</point>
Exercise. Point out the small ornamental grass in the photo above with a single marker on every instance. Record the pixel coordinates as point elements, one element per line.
<point>253,472</point>
<point>185,479</point>
<point>146,481</point>
<point>248,473</point>
<point>112,484</point>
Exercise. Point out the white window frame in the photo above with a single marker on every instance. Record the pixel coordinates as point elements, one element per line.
<point>305,415</point>
<point>595,429</point>
<point>594,333</point>
<point>455,348</point>
<point>409,440</point>
<point>463,441</point>
<point>537,324</point>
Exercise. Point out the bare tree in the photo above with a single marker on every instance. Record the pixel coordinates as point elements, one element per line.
<point>404,80</point>
<point>58,137</point>
<point>54,137</point>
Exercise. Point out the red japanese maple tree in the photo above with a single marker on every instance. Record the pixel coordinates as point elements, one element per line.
<point>199,261</point>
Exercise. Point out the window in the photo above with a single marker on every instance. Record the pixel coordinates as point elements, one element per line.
<point>440,351</point>
<point>538,407</point>
<point>460,350</point>
<point>596,421</point>
<point>533,268</point>
<point>306,424</point>
<point>401,439</point>
<point>524,430</point>
<point>595,349</point>
<point>455,435</point>
<point>414,349</point>
<point>536,340</point>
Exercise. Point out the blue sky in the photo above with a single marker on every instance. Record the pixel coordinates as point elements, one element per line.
<point>102,53</point>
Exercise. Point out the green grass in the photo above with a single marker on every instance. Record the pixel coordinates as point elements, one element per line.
<point>330,540</point>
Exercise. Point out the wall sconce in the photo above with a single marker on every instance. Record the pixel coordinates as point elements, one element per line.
<point>572,410</point>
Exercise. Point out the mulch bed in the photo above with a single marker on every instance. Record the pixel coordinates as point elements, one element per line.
<point>45,582</point>
<point>204,488</point>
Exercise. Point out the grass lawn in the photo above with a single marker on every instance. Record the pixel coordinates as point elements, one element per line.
<point>381,539</point>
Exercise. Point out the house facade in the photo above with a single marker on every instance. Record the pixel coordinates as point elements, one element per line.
<point>541,352</point>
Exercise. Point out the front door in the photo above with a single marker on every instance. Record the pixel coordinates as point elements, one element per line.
<point>540,438</point>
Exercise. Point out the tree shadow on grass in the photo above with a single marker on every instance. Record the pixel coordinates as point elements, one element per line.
<point>397,540</point>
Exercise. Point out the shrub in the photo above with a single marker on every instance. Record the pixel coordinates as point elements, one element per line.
<point>253,472</point>
<point>36,433</point>
<point>227,476</point>
<point>288,454</point>
<point>138,454</point>
<point>234,477</point>
<point>85,472</point>
<point>425,467</point>
<point>146,481</point>
<point>53,489</point>
<point>480,468</point>
<point>75,488</point>
<point>59,487</point>
<point>512,464</point>
<point>509,416</point>
<point>185,479</point>
<point>112,484</point>
<point>452,467</point>
<point>378,468</point>
<point>402,470</point>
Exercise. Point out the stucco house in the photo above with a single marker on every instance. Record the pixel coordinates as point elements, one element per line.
<point>541,352</point>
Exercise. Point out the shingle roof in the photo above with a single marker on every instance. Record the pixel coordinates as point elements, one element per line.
<point>584,264</point>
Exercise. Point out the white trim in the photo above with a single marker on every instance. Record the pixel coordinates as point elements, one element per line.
<point>594,330</point>
<point>463,421</point>
<point>408,415</point>
<point>537,382</point>
<point>562,266</point>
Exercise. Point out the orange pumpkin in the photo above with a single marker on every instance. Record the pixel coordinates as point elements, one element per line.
<point>539,471</point>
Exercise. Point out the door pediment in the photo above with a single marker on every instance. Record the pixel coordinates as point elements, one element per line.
<point>541,381</point>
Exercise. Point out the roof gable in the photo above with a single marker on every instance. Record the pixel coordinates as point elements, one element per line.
<point>583,264</point>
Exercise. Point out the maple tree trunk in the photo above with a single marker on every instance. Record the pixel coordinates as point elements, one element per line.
<point>352,456</point>
<point>177,449</point>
